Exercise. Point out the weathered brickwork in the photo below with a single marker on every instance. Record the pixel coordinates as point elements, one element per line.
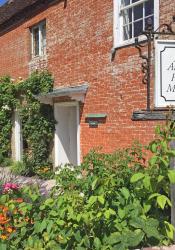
<point>79,42</point>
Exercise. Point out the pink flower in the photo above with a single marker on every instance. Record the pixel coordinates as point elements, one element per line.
<point>10,186</point>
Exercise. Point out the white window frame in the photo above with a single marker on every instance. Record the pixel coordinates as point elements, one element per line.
<point>41,51</point>
<point>117,23</point>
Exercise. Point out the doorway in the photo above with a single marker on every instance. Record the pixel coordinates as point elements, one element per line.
<point>67,135</point>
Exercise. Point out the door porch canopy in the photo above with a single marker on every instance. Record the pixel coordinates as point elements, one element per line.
<point>76,93</point>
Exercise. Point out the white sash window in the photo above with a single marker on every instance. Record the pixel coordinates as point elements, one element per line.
<point>130,18</point>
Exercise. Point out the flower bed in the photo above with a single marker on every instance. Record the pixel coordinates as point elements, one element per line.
<point>112,201</point>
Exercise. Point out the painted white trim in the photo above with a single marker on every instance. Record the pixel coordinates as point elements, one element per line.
<point>156,91</point>
<point>118,20</point>
<point>68,104</point>
<point>40,39</point>
<point>159,102</point>
<point>156,13</point>
<point>78,134</point>
<point>116,23</point>
<point>132,5</point>
<point>18,138</point>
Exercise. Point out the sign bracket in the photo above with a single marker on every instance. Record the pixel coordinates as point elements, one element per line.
<point>150,34</point>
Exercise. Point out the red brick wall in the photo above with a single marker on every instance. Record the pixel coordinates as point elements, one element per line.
<point>79,42</point>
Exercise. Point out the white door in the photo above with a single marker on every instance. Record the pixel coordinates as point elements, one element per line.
<point>67,133</point>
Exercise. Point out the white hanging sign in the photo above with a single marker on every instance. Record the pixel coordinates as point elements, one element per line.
<point>165,73</point>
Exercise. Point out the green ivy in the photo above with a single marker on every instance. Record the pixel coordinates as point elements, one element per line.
<point>7,105</point>
<point>38,122</point>
<point>37,119</point>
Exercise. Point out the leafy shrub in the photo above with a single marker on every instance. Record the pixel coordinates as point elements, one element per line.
<point>18,168</point>
<point>114,201</point>
<point>38,122</point>
<point>45,172</point>
<point>7,104</point>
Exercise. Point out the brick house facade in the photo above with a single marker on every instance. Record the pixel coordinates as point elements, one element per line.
<point>79,39</point>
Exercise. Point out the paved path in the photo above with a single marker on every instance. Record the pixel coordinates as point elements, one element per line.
<point>44,185</point>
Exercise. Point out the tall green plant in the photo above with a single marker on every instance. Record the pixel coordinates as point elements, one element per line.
<point>7,105</point>
<point>37,121</point>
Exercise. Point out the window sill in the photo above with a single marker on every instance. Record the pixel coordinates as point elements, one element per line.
<point>128,43</point>
<point>153,115</point>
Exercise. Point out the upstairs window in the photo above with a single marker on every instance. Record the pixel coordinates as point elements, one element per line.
<point>130,18</point>
<point>38,37</point>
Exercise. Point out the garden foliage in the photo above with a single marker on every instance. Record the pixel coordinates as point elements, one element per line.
<point>112,201</point>
<point>37,119</point>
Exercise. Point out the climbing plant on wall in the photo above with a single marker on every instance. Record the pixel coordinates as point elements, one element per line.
<point>7,105</point>
<point>37,119</point>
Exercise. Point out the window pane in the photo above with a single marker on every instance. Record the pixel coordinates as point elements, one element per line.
<point>149,8</point>
<point>127,16</point>
<point>146,19</point>
<point>36,41</point>
<point>43,39</point>
<point>138,12</point>
<point>138,28</point>
<point>134,1</point>
<point>127,32</point>
<point>125,2</point>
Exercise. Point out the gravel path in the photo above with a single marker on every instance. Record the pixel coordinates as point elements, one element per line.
<point>44,185</point>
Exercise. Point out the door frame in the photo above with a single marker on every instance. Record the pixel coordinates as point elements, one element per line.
<point>18,136</point>
<point>67,104</point>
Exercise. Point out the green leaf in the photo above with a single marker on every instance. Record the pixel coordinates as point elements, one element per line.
<point>94,183</point>
<point>53,213</point>
<point>60,222</point>
<point>147,182</point>
<point>78,236</point>
<point>169,230</point>
<point>86,241</point>
<point>101,199</point>
<point>134,238</point>
<point>162,200</point>
<point>49,202</point>
<point>92,200</point>
<point>153,160</point>
<point>3,246</point>
<point>160,178</point>
<point>137,222</point>
<point>112,212</point>
<point>43,226</point>
<point>109,212</point>
<point>125,192</point>
<point>152,231</point>
<point>153,196</point>
<point>49,226</point>
<point>37,227</point>
<point>146,207</point>
<point>121,213</point>
<point>97,243</point>
<point>171,176</point>
<point>114,238</point>
<point>3,199</point>
<point>136,177</point>
<point>153,147</point>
